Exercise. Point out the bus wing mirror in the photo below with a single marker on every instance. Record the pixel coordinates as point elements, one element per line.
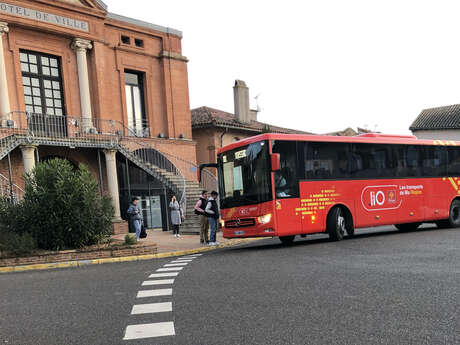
<point>275,161</point>
<point>202,166</point>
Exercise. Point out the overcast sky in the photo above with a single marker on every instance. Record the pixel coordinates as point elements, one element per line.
<point>320,65</point>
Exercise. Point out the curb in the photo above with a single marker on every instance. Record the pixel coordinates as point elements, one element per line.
<point>82,263</point>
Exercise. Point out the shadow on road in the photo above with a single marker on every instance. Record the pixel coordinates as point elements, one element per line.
<point>309,241</point>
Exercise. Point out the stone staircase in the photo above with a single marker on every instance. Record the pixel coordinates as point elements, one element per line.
<point>191,224</point>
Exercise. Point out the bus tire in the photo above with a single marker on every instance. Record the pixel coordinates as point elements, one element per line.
<point>287,240</point>
<point>407,226</point>
<point>454,214</point>
<point>336,224</point>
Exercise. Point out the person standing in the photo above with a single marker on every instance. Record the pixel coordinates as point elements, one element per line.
<point>176,215</point>
<point>200,208</point>
<point>135,216</point>
<point>212,211</point>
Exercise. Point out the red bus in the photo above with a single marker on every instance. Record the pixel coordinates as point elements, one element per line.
<point>286,185</point>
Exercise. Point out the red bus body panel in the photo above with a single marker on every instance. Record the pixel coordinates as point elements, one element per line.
<point>372,202</point>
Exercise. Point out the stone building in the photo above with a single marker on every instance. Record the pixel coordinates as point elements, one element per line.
<point>213,128</point>
<point>94,87</point>
<point>438,123</point>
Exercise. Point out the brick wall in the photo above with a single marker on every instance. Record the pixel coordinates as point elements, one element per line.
<point>73,255</point>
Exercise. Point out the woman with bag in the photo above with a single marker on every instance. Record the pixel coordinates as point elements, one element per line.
<point>176,215</point>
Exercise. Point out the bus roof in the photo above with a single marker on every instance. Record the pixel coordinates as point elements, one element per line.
<point>371,138</point>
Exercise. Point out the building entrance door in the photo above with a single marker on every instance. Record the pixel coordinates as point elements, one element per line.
<point>151,211</point>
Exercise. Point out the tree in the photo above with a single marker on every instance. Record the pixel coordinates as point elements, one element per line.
<point>62,207</point>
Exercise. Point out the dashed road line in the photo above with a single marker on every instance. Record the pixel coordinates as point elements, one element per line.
<point>163,275</point>
<point>153,293</point>
<point>169,269</point>
<point>151,308</point>
<point>176,264</point>
<point>149,330</point>
<point>158,329</point>
<point>158,282</point>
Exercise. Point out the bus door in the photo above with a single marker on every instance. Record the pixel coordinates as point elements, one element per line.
<point>286,185</point>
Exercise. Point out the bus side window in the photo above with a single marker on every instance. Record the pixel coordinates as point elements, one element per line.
<point>371,161</point>
<point>286,179</point>
<point>434,161</point>
<point>327,161</point>
<point>453,161</point>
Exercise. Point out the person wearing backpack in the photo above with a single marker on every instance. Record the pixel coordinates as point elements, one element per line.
<point>135,216</point>
<point>200,208</point>
<point>212,210</point>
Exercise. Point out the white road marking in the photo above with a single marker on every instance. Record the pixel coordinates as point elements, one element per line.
<point>169,269</point>
<point>183,260</point>
<point>149,330</point>
<point>158,282</point>
<point>177,264</point>
<point>162,275</point>
<point>152,308</point>
<point>187,258</point>
<point>153,293</point>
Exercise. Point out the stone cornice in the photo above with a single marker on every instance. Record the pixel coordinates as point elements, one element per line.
<point>172,55</point>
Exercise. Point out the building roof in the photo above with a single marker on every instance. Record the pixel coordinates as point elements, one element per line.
<point>205,117</point>
<point>447,117</point>
<point>143,24</point>
<point>349,132</point>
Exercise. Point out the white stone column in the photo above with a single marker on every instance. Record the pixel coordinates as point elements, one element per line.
<point>4,99</point>
<point>112,180</point>
<point>28,157</point>
<point>81,46</point>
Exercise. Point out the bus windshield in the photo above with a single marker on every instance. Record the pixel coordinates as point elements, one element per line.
<point>244,175</point>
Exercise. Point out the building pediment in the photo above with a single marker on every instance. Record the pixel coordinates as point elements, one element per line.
<point>83,4</point>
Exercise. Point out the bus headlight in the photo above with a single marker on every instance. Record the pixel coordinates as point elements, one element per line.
<point>265,219</point>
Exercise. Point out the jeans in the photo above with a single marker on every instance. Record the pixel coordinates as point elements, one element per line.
<point>213,223</point>
<point>137,226</point>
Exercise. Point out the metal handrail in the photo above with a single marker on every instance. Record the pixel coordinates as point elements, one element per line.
<point>9,190</point>
<point>83,132</point>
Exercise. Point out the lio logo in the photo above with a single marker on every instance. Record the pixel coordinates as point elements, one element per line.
<point>383,197</point>
<point>377,198</point>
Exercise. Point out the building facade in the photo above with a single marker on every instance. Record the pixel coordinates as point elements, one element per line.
<point>97,88</point>
<point>213,128</point>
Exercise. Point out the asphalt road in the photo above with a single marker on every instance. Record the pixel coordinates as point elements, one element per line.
<point>382,287</point>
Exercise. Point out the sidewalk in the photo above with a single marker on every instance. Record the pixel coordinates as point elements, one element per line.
<point>166,242</point>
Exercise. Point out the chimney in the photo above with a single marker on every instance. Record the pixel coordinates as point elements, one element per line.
<point>241,99</point>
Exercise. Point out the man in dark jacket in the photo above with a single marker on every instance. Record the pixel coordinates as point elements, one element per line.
<point>204,222</point>
<point>135,216</point>
<point>212,211</point>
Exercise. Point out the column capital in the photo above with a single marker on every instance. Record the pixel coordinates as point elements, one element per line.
<point>110,152</point>
<point>80,44</point>
<point>4,28</point>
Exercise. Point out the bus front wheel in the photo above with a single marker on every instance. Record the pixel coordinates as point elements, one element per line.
<point>337,224</point>
<point>287,240</point>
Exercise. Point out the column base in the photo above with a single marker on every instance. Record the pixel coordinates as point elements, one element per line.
<point>120,227</point>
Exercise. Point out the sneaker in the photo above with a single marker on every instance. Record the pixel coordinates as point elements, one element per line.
<point>178,235</point>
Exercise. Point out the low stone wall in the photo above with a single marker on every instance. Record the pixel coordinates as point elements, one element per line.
<point>78,255</point>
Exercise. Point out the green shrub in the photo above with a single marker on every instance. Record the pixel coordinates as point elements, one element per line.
<point>130,240</point>
<point>16,244</point>
<point>62,207</point>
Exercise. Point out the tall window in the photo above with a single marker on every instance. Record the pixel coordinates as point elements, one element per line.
<point>135,104</point>
<point>42,81</point>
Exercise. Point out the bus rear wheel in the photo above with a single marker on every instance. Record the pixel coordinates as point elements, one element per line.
<point>454,214</point>
<point>287,240</point>
<point>337,224</point>
<point>407,226</point>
